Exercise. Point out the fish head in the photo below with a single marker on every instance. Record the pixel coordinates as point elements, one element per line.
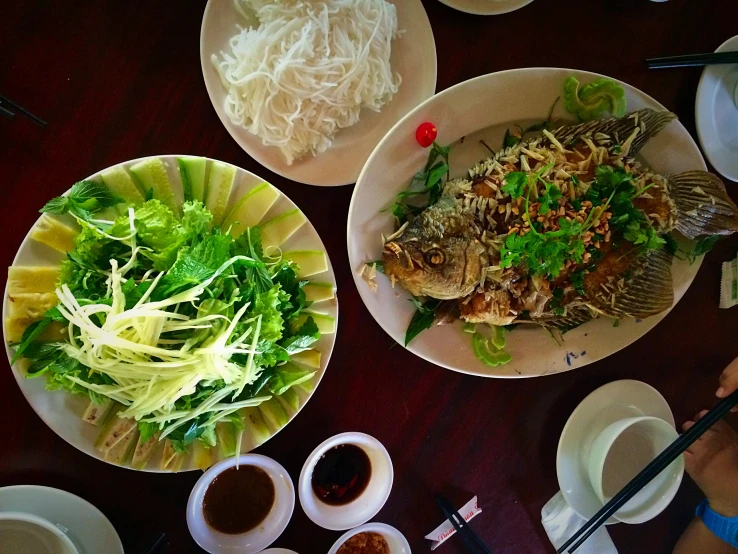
<point>438,255</point>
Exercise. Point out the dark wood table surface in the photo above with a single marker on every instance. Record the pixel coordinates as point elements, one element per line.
<point>119,80</point>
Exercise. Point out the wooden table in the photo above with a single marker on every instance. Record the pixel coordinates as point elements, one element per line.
<point>119,80</point>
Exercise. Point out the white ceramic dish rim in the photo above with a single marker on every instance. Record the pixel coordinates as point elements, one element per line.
<point>47,496</point>
<point>704,108</point>
<point>663,411</point>
<point>326,353</point>
<point>387,531</point>
<point>309,501</point>
<point>268,531</point>
<point>413,347</point>
<point>293,172</point>
<point>486,7</point>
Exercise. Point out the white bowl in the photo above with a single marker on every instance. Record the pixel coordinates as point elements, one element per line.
<point>395,540</point>
<point>257,539</point>
<point>639,440</point>
<point>22,533</point>
<point>363,508</point>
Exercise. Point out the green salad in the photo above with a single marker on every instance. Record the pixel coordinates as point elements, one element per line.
<point>171,320</point>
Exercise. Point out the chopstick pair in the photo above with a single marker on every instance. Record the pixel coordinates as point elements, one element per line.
<point>691,60</point>
<point>7,106</point>
<point>472,541</point>
<point>660,463</point>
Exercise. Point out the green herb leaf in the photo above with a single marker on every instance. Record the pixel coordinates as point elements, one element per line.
<point>515,184</point>
<point>422,319</point>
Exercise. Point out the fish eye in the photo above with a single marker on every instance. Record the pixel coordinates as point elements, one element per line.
<point>434,257</point>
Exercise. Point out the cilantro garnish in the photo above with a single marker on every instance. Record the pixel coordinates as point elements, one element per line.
<point>550,198</point>
<point>515,184</point>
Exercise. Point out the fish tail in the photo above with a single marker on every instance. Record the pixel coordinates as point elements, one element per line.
<point>704,207</point>
<point>647,122</point>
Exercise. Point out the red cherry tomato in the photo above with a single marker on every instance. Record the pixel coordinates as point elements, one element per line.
<point>425,134</point>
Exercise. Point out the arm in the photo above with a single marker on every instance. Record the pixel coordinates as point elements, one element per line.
<point>698,539</point>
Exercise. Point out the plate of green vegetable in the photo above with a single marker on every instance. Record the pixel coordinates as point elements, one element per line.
<point>410,221</point>
<point>169,312</point>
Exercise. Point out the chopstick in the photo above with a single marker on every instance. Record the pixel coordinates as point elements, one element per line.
<point>660,463</point>
<point>472,541</point>
<point>157,544</point>
<point>6,113</point>
<point>21,109</point>
<point>689,60</point>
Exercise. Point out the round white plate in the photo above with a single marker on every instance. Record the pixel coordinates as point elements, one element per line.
<point>63,412</point>
<point>413,57</point>
<point>265,533</point>
<point>483,108</point>
<point>367,504</point>
<point>717,113</point>
<point>88,528</point>
<point>395,540</point>
<point>606,405</point>
<point>486,7</point>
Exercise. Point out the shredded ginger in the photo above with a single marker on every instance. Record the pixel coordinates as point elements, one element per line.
<point>308,69</point>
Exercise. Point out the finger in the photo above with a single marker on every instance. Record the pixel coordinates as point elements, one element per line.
<point>728,380</point>
<point>686,425</point>
<point>700,415</point>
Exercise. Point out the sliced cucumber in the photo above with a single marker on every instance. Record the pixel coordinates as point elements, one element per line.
<point>308,386</point>
<point>274,414</point>
<point>31,305</point>
<point>290,398</point>
<point>193,171</point>
<point>227,438</point>
<point>54,233</point>
<point>96,413</point>
<point>220,185</point>
<point>26,279</point>
<point>113,432</point>
<point>121,452</point>
<point>152,175</point>
<point>251,209</point>
<point>202,457</point>
<point>144,451</point>
<point>309,262</point>
<point>171,460</point>
<point>309,358</point>
<point>316,291</point>
<point>120,183</point>
<point>256,425</point>
<point>275,232</point>
<point>326,324</point>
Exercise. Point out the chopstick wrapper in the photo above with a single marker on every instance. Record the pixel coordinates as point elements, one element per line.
<point>441,534</point>
<point>561,522</point>
<point>729,283</point>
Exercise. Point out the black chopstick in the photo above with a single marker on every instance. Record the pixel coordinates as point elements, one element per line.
<point>21,109</point>
<point>156,544</point>
<point>690,60</point>
<point>6,113</point>
<point>471,539</point>
<point>660,463</point>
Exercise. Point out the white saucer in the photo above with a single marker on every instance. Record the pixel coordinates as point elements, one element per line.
<point>395,540</point>
<point>716,113</point>
<point>257,539</point>
<point>609,403</point>
<point>90,531</point>
<point>486,7</point>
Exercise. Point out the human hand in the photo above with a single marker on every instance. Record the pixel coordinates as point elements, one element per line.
<point>728,381</point>
<point>712,462</point>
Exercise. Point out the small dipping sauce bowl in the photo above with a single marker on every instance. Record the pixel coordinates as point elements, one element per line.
<point>263,533</point>
<point>371,495</point>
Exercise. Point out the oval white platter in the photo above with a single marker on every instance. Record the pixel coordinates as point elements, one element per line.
<point>62,411</point>
<point>482,109</point>
<point>486,7</point>
<point>413,57</point>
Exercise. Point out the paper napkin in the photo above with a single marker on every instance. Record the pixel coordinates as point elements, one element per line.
<point>561,522</point>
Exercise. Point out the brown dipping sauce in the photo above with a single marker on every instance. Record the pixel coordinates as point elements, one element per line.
<point>341,474</point>
<point>365,543</point>
<point>238,500</point>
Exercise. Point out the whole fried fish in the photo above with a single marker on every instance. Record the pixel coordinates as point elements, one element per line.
<point>611,260</point>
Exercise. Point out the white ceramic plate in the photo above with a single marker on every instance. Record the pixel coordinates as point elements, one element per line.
<point>63,412</point>
<point>413,57</point>
<point>90,531</point>
<point>395,540</point>
<point>486,7</point>
<point>258,538</point>
<point>606,405</point>
<point>483,108</point>
<point>717,113</point>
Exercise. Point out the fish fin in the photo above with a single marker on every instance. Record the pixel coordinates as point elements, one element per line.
<point>704,207</point>
<point>649,122</point>
<point>575,316</point>
<point>648,289</point>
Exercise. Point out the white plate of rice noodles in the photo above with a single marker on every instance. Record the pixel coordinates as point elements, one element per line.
<point>308,88</point>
